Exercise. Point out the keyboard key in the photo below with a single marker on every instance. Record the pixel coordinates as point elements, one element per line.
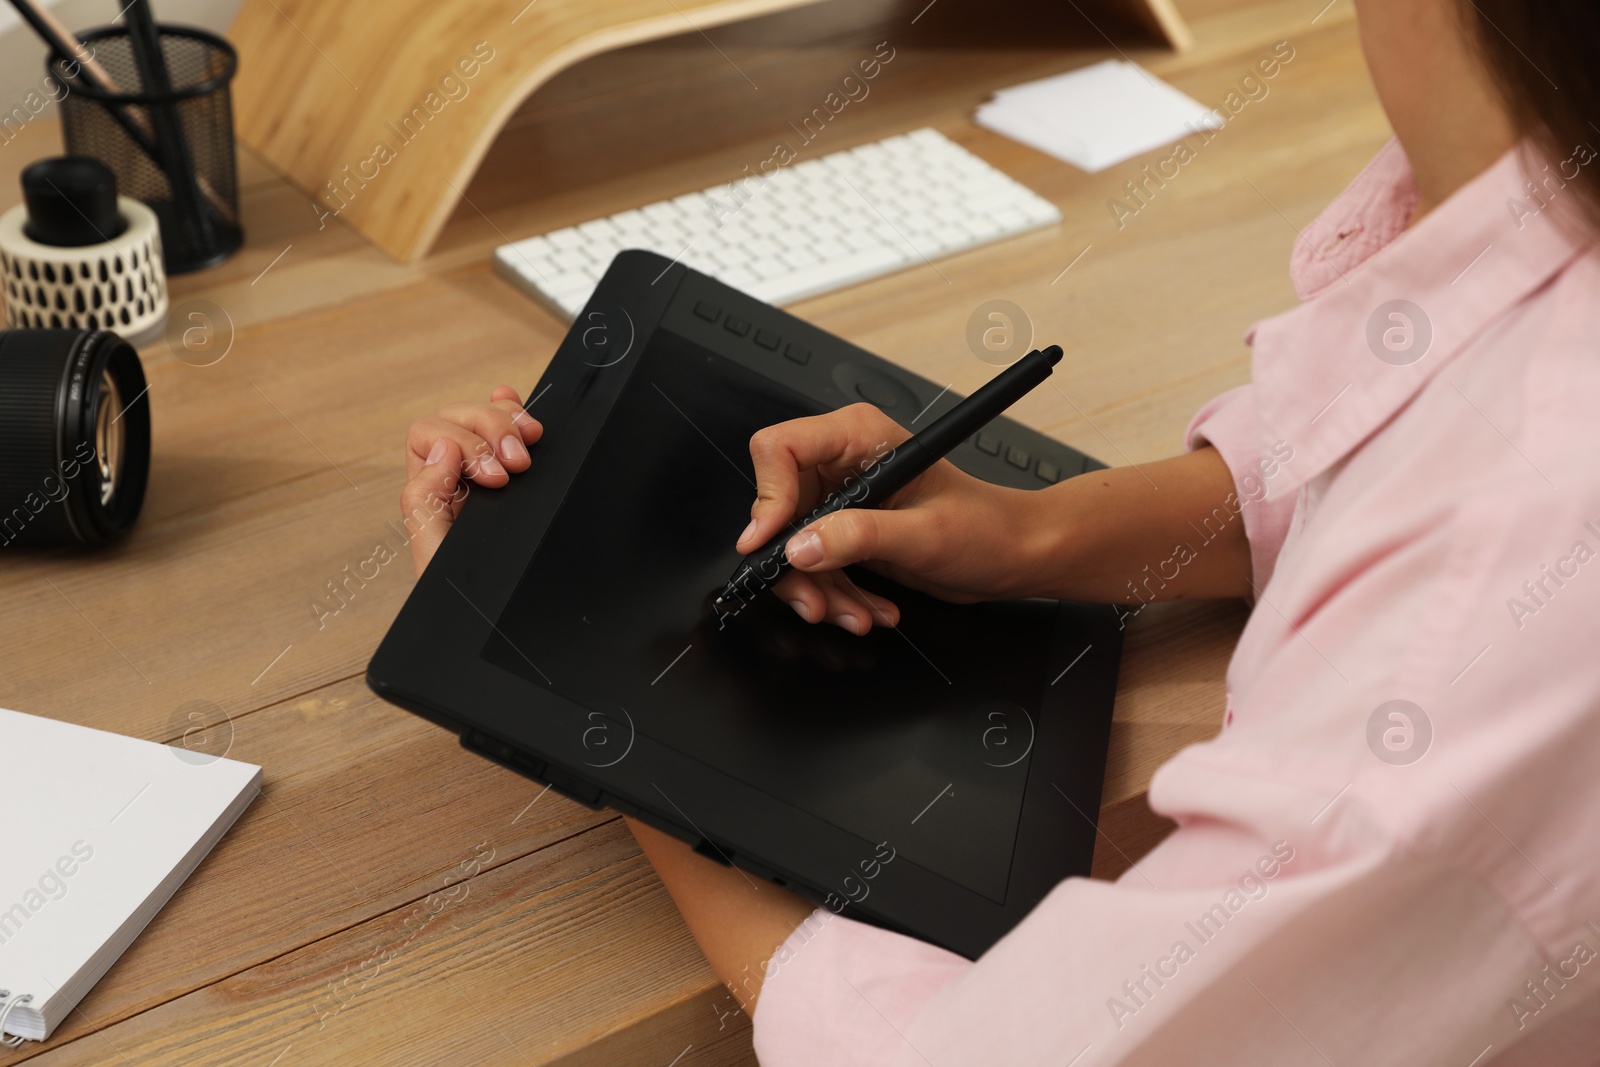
<point>981,226</point>
<point>524,258</point>
<point>568,260</point>
<point>709,312</point>
<point>1018,457</point>
<point>768,267</point>
<point>569,286</point>
<point>1040,212</point>
<point>667,235</point>
<point>1012,218</point>
<point>767,339</point>
<point>798,353</point>
<point>567,238</point>
<point>534,247</point>
<point>630,221</point>
<point>1048,471</point>
<point>736,325</point>
<point>989,444</point>
<point>830,248</point>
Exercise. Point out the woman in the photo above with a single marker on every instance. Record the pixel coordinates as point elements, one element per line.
<point>1388,855</point>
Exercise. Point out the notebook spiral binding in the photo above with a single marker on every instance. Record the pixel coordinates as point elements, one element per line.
<point>5,1013</point>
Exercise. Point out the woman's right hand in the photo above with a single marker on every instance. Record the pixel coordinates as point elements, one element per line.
<point>947,533</point>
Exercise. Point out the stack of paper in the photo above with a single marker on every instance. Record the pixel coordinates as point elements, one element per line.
<point>100,831</point>
<point>1096,116</point>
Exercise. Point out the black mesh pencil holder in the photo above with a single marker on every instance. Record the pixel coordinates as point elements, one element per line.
<point>190,182</point>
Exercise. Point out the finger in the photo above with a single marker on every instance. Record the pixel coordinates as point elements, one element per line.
<point>898,537</point>
<point>783,453</point>
<point>803,593</point>
<point>427,431</point>
<point>509,400</point>
<point>430,500</point>
<point>756,534</point>
<point>834,598</point>
<point>852,608</point>
<point>477,455</point>
<point>423,439</point>
<point>495,425</point>
<point>530,428</point>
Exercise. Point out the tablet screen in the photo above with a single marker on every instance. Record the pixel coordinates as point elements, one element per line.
<point>918,736</point>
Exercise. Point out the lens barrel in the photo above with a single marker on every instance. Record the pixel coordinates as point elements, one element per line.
<point>74,437</point>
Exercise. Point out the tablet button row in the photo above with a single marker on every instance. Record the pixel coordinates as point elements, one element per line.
<point>1022,459</point>
<point>741,327</point>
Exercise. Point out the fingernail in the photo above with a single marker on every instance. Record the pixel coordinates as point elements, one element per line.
<point>748,530</point>
<point>489,465</point>
<point>849,622</point>
<point>438,452</point>
<point>512,448</point>
<point>804,549</point>
<point>799,607</point>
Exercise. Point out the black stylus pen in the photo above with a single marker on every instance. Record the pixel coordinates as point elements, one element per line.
<point>888,474</point>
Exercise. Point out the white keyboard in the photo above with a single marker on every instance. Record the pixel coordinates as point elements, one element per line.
<point>812,227</point>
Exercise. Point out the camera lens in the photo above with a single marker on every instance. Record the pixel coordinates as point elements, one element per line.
<point>74,437</point>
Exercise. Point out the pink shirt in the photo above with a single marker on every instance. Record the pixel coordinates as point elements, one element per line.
<point>1391,852</point>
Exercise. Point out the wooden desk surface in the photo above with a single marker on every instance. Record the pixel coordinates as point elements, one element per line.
<point>279,466</point>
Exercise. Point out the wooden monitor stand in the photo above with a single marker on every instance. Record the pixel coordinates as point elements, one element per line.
<point>338,95</point>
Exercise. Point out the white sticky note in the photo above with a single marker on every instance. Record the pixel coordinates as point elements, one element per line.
<point>1096,116</point>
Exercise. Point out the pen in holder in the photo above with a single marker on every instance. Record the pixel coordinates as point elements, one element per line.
<point>170,147</point>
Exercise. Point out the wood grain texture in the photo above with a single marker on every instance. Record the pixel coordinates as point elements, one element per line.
<point>279,466</point>
<point>513,966</point>
<point>434,84</point>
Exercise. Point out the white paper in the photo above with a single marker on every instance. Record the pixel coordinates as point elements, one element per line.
<point>1096,116</point>
<point>98,831</point>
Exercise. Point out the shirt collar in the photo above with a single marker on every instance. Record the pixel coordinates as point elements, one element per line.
<point>1386,308</point>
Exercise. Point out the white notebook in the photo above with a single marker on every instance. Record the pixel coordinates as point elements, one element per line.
<point>99,831</point>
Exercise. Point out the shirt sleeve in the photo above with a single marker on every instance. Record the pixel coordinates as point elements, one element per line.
<point>1228,424</point>
<point>1235,941</point>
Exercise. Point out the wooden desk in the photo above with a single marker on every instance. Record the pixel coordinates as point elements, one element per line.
<point>279,466</point>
